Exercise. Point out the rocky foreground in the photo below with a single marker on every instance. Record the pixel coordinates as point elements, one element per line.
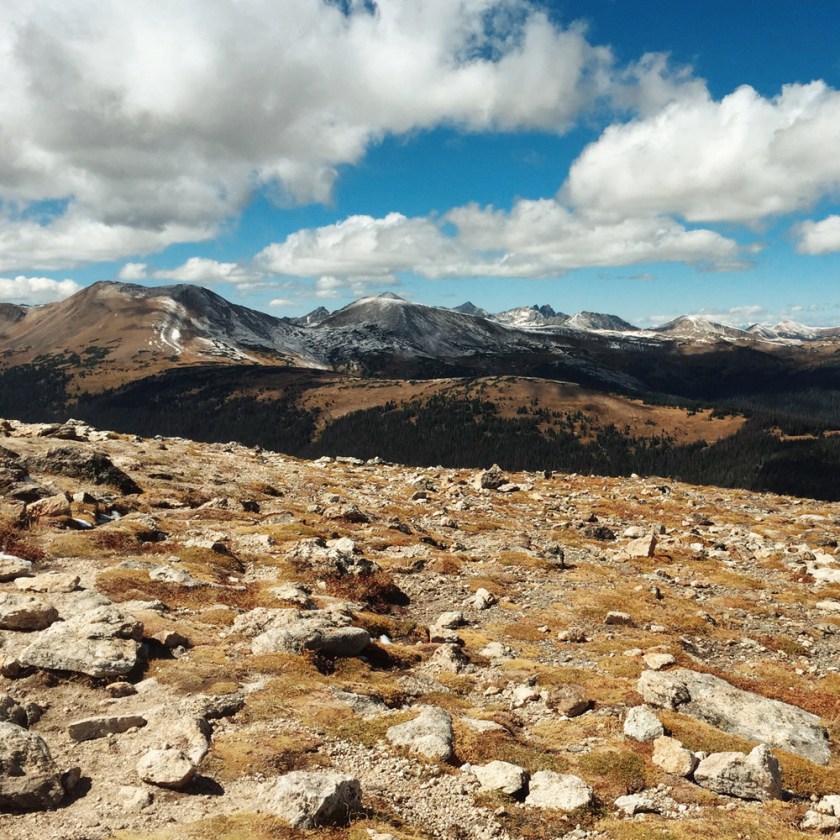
<point>211,641</point>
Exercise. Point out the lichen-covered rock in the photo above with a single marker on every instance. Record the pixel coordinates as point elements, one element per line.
<point>716,702</point>
<point>101,642</point>
<point>430,734</point>
<point>86,465</point>
<point>642,724</point>
<point>753,776</point>
<point>307,799</point>
<point>29,778</point>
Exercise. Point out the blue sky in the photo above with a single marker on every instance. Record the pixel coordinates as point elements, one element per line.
<point>639,157</point>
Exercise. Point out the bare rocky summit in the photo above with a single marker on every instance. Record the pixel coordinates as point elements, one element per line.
<point>210,641</point>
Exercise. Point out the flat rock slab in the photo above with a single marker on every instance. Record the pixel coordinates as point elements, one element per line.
<point>12,567</point>
<point>87,729</point>
<point>752,716</point>
<point>558,791</point>
<point>49,582</point>
<point>101,642</point>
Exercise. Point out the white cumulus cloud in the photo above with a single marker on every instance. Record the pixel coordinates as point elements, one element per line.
<point>741,159</point>
<point>821,237</point>
<point>142,125</point>
<point>534,239</point>
<point>34,290</point>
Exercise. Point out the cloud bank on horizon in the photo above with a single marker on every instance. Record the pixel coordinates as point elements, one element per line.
<point>128,129</point>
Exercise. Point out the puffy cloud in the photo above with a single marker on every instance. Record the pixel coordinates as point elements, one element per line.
<point>132,271</point>
<point>821,237</point>
<point>71,240</point>
<point>535,239</point>
<point>202,270</point>
<point>135,116</point>
<point>741,159</point>
<point>34,290</point>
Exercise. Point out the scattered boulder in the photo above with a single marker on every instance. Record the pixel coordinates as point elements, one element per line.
<point>86,465</point>
<point>166,768</point>
<point>569,700</point>
<point>88,729</point>
<point>482,599</point>
<point>430,734</point>
<point>642,724</point>
<point>716,702</point>
<point>558,791</point>
<point>102,642</point>
<point>658,661</point>
<point>307,799</point>
<point>641,547</point>
<point>753,776</point>
<point>25,612</point>
<point>670,755</point>
<point>318,630</point>
<point>615,618</point>
<point>49,507</point>
<point>12,712</point>
<point>491,479</point>
<point>500,776</point>
<point>331,557</point>
<point>12,567</point>
<point>132,800</point>
<point>29,778</point>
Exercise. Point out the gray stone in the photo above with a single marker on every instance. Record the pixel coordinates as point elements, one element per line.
<point>25,612</point>
<point>671,756</point>
<point>88,729</point>
<point>307,799</point>
<point>636,803</point>
<point>166,768</point>
<point>642,724</point>
<point>829,805</point>
<point>101,642</point>
<point>12,712</point>
<point>29,778</point>
<point>132,800</point>
<point>312,635</point>
<point>12,567</point>
<point>753,776</point>
<point>569,700</point>
<point>716,702</point>
<point>430,734</point>
<point>500,776</point>
<point>491,479</point>
<point>558,791</point>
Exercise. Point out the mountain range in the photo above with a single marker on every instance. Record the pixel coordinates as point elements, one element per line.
<point>460,386</point>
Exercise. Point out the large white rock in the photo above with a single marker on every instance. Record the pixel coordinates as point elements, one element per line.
<point>642,724</point>
<point>671,756</point>
<point>560,791</point>
<point>167,768</point>
<point>500,776</point>
<point>716,702</point>
<point>753,776</point>
<point>25,612</point>
<point>429,734</point>
<point>306,799</point>
<point>29,778</point>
